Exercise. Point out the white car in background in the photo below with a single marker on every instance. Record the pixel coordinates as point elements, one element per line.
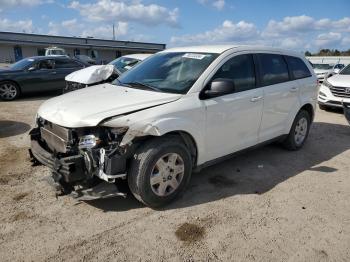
<point>335,90</point>
<point>322,71</point>
<point>98,74</point>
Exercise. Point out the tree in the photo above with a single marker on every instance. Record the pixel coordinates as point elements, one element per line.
<point>308,53</point>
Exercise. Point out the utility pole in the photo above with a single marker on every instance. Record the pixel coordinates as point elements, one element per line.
<point>113,32</point>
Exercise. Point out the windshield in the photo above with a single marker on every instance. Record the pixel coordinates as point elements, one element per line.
<point>56,52</point>
<point>173,72</point>
<point>22,64</point>
<point>322,66</point>
<point>124,63</point>
<point>345,71</point>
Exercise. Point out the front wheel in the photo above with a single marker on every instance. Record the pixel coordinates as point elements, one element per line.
<point>160,171</point>
<point>8,91</point>
<point>299,131</point>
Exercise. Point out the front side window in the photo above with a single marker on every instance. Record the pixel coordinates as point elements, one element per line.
<point>45,64</point>
<point>297,67</point>
<point>173,72</point>
<point>273,69</point>
<point>240,69</point>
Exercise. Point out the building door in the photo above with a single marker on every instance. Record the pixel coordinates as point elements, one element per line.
<point>18,53</point>
<point>76,52</point>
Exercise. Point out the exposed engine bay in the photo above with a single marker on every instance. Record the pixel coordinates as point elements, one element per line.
<point>82,160</point>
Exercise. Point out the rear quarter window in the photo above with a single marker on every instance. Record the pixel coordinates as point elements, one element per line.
<point>297,67</point>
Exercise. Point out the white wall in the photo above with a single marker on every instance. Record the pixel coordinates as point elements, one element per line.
<point>329,59</point>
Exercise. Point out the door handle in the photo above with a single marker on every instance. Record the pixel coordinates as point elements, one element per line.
<point>255,99</point>
<point>294,89</point>
<point>53,73</point>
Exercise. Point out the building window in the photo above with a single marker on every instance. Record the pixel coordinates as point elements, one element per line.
<point>76,52</point>
<point>41,51</point>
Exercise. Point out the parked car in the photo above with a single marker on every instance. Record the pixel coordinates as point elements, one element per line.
<point>335,90</point>
<point>36,74</point>
<point>102,73</point>
<point>323,71</point>
<point>180,110</point>
<point>86,59</point>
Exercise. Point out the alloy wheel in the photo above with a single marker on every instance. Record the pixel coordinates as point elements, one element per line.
<point>300,131</point>
<point>8,91</point>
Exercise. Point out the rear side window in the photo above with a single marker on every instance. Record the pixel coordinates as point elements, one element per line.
<point>273,69</point>
<point>66,63</point>
<point>297,67</point>
<point>241,70</point>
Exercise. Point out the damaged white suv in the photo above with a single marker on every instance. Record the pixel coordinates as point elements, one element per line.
<point>178,111</point>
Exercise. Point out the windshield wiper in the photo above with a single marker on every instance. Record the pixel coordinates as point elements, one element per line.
<point>142,85</point>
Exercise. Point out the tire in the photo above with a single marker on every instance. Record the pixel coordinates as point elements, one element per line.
<point>9,91</point>
<point>163,153</point>
<point>323,107</point>
<point>298,132</point>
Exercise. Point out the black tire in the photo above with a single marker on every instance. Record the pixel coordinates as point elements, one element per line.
<point>13,86</point>
<point>323,107</point>
<point>290,142</point>
<point>143,163</point>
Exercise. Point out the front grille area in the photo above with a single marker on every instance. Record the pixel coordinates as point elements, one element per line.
<point>71,86</point>
<point>56,137</point>
<point>340,91</point>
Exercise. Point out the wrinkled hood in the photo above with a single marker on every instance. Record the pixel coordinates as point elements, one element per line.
<point>89,106</point>
<point>91,74</point>
<point>339,80</point>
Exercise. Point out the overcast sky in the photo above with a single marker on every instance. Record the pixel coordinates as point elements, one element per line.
<point>294,24</point>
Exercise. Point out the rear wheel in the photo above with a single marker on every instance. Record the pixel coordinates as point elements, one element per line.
<point>299,131</point>
<point>9,91</point>
<point>160,171</point>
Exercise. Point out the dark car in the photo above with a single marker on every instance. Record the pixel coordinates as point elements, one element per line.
<point>36,74</point>
<point>86,59</point>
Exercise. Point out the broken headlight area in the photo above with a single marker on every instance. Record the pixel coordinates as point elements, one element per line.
<point>81,158</point>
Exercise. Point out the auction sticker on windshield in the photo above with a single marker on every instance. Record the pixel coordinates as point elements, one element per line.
<point>194,56</point>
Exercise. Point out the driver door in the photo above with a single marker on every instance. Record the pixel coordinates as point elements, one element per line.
<point>233,120</point>
<point>41,77</point>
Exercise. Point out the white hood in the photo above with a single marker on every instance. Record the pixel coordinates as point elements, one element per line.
<point>89,106</point>
<point>92,74</point>
<point>339,80</point>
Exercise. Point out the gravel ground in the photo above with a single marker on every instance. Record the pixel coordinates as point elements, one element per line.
<point>265,205</point>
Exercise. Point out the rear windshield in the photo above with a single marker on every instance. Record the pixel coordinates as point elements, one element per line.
<point>322,66</point>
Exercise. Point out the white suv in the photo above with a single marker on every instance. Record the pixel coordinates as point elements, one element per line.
<point>178,111</point>
<point>335,90</point>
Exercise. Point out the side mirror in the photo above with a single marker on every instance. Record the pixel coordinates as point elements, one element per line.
<point>220,87</point>
<point>32,68</point>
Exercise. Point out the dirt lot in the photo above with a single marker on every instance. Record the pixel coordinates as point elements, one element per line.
<point>265,205</point>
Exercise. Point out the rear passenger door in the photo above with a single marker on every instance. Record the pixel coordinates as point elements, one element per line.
<point>233,120</point>
<point>281,96</point>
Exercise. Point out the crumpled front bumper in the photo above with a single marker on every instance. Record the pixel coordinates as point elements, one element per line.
<point>73,175</point>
